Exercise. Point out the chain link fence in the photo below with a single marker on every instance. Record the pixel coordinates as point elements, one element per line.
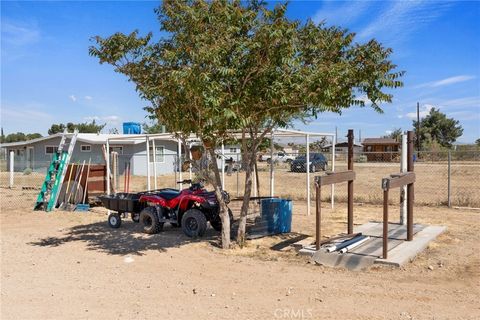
<point>442,178</point>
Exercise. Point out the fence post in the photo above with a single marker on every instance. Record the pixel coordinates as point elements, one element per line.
<point>403,190</point>
<point>12,155</point>
<point>449,200</point>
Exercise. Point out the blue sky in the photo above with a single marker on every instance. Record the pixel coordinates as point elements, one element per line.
<point>48,77</point>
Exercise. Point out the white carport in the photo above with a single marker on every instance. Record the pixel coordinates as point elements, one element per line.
<point>276,133</point>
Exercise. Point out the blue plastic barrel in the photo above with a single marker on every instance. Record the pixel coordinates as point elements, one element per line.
<point>278,214</point>
<point>132,128</point>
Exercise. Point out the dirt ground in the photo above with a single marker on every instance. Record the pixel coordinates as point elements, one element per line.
<point>69,265</point>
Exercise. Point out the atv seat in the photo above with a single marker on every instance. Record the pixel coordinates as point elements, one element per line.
<point>169,194</point>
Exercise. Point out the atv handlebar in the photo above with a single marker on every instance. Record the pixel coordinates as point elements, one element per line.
<point>189,181</point>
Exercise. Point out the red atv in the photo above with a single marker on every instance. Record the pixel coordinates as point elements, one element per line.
<point>189,208</point>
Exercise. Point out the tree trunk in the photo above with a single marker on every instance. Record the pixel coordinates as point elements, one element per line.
<point>250,160</point>
<point>217,185</point>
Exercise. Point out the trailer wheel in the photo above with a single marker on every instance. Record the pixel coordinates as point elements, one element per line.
<point>149,219</point>
<point>114,220</point>
<point>194,223</point>
<point>216,223</point>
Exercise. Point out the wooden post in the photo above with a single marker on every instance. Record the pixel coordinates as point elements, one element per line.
<point>318,217</point>
<point>385,223</point>
<point>410,188</point>
<point>350,183</point>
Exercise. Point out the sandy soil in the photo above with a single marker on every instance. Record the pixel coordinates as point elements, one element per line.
<point>67,265</point>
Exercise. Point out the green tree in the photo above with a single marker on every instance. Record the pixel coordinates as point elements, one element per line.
<point>436,127</point>
<point>477,142</point>
<point>154,127</point>
<point>228,66</point>
<point>396,134</point>
<point>85,127</point>
<point>20,136</point>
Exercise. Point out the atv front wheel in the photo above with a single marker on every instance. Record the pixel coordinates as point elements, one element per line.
<point>194,223</point>
<point>114,220</point>
<point>217,222</point>
<point>149,219</point>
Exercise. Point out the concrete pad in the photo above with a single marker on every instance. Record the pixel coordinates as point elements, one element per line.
<point>408,250</point>
<point>399,250</point>
<point>348,261</point>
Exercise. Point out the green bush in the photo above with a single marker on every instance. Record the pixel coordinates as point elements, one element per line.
<point>27,171</point>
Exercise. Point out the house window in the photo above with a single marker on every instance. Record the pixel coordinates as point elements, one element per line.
<point>369,148</point>
<point>86,148</point>
<point>50,149</point>
<point>159,154</point>
<point>118,150</point>
<point>233,150</point>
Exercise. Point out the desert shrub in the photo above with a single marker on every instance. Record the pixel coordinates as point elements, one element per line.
<point>27,171</point>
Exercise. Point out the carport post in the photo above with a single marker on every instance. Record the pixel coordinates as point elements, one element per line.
<point>180,174</point>
<point>410,188</point>
<point>307,138</point>
<point>272,173</point>
<point>154,165</point>
<point>223,166</point>
<point>332,187</point>
<point>12,158</point>
<point>147,142</point>
<point>107,160</point>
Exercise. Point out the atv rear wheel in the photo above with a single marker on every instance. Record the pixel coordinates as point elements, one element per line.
<point>217,222</point>
<point>194,223</point>
<point>114,220</point>
<point>149,219</point>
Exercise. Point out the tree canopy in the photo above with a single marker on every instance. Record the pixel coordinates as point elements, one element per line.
<point>436,127</point>
<point>85,127</point>
<point>19,136</point>
<point>230,65</point>
<point>395,134</point>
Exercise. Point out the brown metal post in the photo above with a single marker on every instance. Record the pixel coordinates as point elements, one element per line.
<point>318,217</point>
<point>410,189</point>
<point>385,223</point>
<point>350,183</point>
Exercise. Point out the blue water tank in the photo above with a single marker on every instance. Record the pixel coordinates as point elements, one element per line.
<point>132,128</point>
<point>278,214</point>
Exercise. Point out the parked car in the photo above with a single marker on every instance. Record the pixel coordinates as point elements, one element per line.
<point>277,157</point>
<point>317,162</point>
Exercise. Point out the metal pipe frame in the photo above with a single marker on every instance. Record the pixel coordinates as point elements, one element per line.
<point>331,179</point>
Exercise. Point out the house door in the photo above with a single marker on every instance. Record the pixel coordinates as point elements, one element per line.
<point>30,157</point>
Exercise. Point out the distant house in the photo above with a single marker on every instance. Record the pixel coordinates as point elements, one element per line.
<point>342,147</point>
<point>36,154</point>
<point>381,149</point>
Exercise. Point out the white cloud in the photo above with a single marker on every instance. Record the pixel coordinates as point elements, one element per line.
<point>348,12</point>
<point>110,120</point>
<point>88,98</point>
<point>462,102</point>
<point>388,131</point>
<point>399,116</point>
<point>402,18</point>
<point>19,33</point>
<point>446,81</point>
<point>424,111</point>
<point>73,98</point>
